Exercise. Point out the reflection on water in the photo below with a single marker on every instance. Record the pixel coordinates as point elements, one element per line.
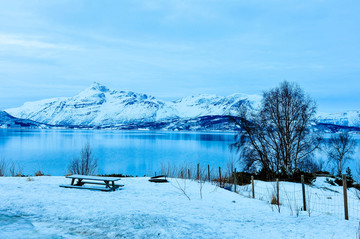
<point>127,152</point>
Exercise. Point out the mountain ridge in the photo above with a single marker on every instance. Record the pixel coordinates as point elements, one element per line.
<point>99,106</point>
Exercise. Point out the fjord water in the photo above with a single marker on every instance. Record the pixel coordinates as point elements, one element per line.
<point>127,152</point>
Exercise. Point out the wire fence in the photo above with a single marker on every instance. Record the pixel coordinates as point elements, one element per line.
<point>317,200</point>
<point>297,197</point>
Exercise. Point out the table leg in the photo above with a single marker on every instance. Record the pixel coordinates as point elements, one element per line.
<point>79,183</point>
<point>107,184</point>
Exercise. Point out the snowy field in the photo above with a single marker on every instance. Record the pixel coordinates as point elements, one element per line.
<point>41,209</point>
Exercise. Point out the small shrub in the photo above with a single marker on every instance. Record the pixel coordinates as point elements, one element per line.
<point>30,179</point>
<point>243,178</point>
<point>39,173</point>
<point>274,200</point>
<point>357,186</point>
<point>331,182</point>
<point>323,173</point>
<point>86,165</point>
<point>349,179</point>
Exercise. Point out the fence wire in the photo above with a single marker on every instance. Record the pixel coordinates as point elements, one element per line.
<point>317,200</point>
<point>321,200</point>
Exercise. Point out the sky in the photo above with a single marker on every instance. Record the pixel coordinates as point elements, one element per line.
<point>172,49</point>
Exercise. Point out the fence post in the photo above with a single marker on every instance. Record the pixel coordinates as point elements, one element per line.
<point>155,173</point>
<point>345,197</point>
<point>303,192</point>
<point>253,186</point>
<point>198,172</point>
<point>189,174</point>
<point>220,176</point>
<point>235,180</point>
<point>209,173</point>
<point>277,192</point>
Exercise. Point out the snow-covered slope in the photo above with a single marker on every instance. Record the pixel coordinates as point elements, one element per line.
<point>100,106</point>
<point>349,118</point>
<point>7,120</point>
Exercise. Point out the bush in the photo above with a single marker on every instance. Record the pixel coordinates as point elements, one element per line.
<point>274,200</point>
<point>323,173</point>
<point>243,178</point>
<point>295,177</point>
<point>349,179</point>
<point>39,173</point>
<point>86,165</point>
<point>308,177</point>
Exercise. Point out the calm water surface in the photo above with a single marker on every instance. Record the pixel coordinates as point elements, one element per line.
<point>127,152</point>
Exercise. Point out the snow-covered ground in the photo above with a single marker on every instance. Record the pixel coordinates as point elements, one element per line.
<point>41,209</point>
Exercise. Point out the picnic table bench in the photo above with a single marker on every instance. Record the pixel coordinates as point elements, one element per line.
<point>108,182</point>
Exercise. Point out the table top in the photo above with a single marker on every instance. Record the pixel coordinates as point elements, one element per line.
<point>97,178</point>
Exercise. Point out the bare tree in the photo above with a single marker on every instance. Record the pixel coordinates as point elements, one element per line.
<point>86,165</point>
<point>278,136</point>
<point>340,148</point>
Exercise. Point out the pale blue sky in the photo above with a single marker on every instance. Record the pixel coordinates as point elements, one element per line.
<point>171,49</point>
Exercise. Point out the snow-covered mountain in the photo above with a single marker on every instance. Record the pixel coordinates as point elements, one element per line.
<point>8,121</point>
<point>349,118</point>
<point>100,106</point>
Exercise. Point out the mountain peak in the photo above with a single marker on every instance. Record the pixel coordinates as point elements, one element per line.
<point>98,87</point>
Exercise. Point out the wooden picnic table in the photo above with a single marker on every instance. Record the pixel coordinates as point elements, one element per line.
<point>77,181</point>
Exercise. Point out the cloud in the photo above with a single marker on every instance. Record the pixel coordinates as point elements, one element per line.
<point>32,42</point>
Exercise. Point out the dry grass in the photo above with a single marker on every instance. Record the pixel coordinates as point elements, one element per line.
<point>39,173</point>
<point>274,200</point>
<point>10,168</point>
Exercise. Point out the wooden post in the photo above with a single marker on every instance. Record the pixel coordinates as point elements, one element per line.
<point>198,172</point>
<point>155,174</point>
<point>253,186</point>
<point>277,192</point>
<point>220,176</point>
<point>189,173</point>
<point>235,180</point>
<point>209,173</point>
<point>345,197</point>
<point>303,192</point>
